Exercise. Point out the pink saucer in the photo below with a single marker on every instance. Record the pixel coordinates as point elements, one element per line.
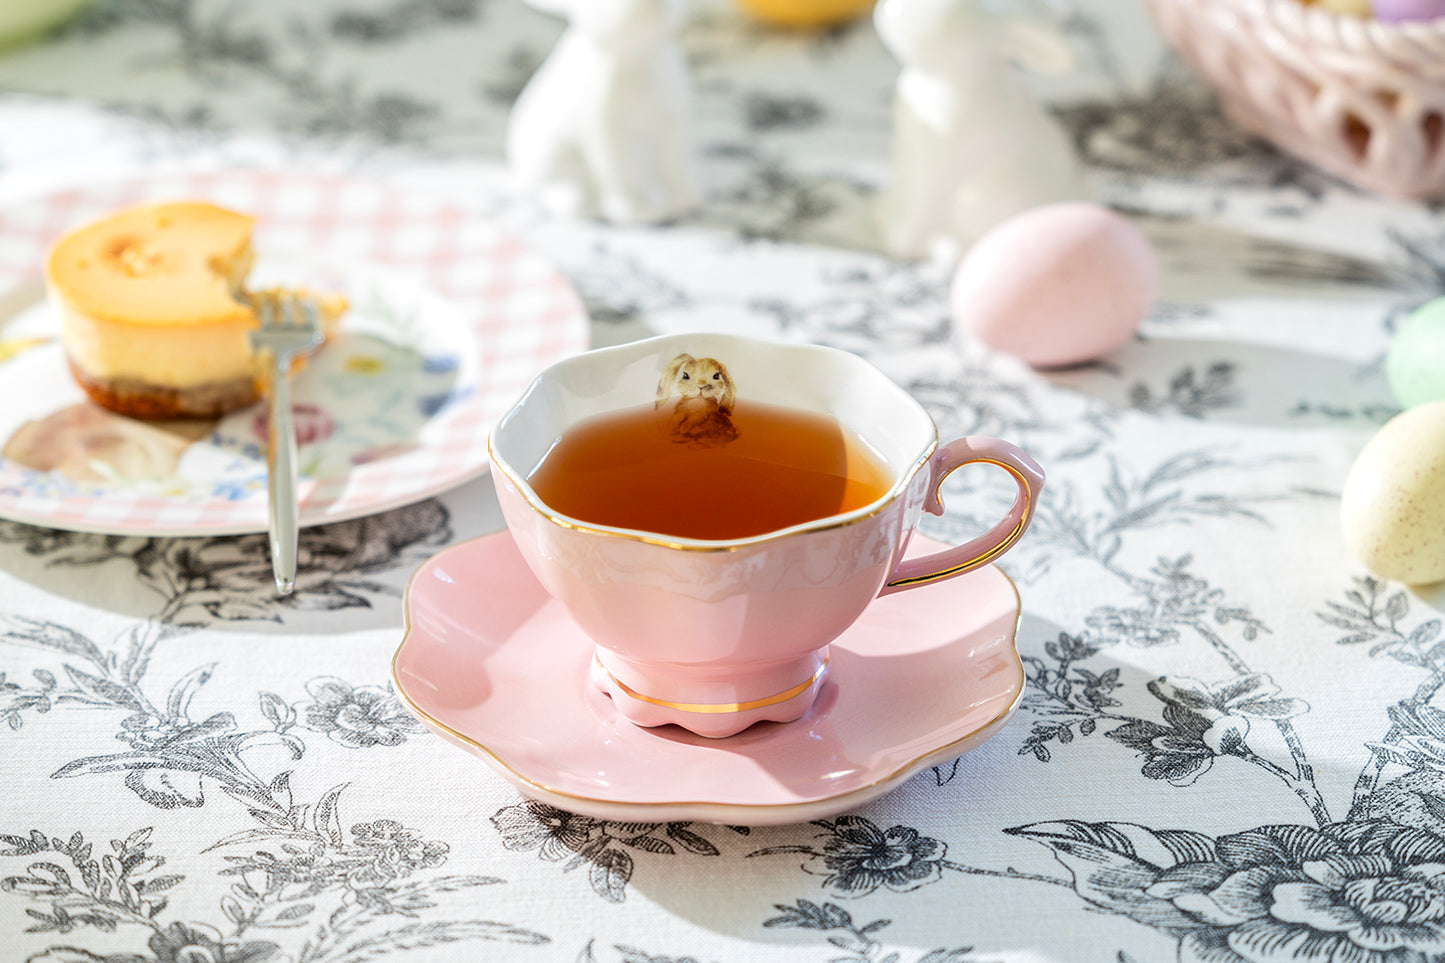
<point>493,663</point>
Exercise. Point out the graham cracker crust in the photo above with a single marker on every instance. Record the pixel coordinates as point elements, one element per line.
<point>151,402</point>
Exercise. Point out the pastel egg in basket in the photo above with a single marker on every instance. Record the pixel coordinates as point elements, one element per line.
<point>1359,97</point>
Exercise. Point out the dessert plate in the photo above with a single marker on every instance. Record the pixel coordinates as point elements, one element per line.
<point>450,319</point>
<point>492,663</point>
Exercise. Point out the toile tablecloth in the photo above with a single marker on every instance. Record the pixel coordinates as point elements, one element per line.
<point>1231,745</point>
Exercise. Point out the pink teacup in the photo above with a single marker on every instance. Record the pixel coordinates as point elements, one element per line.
<point>717,635</point>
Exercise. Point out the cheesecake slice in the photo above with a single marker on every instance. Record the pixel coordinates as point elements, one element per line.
<point>149,314</point>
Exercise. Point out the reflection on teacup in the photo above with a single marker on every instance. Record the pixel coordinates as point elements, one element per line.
<point>714,510</point>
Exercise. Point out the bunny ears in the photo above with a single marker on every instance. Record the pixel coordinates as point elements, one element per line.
<point>669,378</point>
<point>691,377</point>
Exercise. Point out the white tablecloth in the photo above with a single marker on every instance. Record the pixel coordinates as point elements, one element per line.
<point>1231,747</point>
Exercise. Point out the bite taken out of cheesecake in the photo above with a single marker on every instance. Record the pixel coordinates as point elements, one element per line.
<point>151,315</point>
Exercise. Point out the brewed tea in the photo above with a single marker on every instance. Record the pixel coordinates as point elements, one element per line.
<point>710,474</point>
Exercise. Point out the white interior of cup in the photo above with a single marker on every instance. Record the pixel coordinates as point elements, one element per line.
<point>884,417</point>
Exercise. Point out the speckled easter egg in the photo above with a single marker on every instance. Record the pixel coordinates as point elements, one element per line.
<point>805,13</point>
<point>1415,364</point>
<point>1056,285</point>
<point>1392,509</point>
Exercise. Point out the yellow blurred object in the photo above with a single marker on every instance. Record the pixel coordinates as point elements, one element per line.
<point>25,20</point>
<point>805,13</point>
<point>1350,8</point>
<point>9,349</point>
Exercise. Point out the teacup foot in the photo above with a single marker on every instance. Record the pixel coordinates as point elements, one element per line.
<point>710,702</point>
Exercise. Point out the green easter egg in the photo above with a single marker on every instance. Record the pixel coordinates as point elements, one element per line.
<point>1415,364</point>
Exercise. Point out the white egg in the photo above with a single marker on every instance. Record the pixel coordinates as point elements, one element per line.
<point>1392,508</point>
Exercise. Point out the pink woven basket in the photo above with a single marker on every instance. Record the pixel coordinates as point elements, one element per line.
<point>1360,98</point>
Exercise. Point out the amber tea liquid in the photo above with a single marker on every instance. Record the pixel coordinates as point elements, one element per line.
<point>708,473</point>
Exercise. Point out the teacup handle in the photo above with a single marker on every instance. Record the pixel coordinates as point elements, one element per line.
<point>979,551</point>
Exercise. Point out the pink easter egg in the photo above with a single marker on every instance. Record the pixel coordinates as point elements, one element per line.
<point>1056,285</point>
<point>1399,10</point>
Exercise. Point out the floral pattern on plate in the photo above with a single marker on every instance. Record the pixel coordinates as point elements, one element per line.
<point>449,319</point>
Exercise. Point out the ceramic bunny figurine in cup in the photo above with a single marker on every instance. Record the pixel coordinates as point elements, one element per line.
<point>713,576</point>
<point>702,396</point>
<point>603,129</point>
<point>971,143</point>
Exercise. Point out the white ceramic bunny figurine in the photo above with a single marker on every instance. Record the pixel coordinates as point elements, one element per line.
<point>603,128</point>
<point>971,144</point>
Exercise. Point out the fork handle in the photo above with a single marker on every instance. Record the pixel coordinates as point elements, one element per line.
<point>281,475</point>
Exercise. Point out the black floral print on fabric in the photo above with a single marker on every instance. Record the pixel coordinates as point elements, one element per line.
<point>311,874</point>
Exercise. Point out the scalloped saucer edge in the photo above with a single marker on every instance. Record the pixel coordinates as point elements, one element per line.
<point>494,665</point>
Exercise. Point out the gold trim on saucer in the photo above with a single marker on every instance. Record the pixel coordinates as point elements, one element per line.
<point>719,707</point>
<point>710,810</point>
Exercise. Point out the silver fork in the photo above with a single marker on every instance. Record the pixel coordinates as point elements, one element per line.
<point>290,328</point>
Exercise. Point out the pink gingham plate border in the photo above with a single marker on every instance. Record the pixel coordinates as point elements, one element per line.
<point>521,312</point>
